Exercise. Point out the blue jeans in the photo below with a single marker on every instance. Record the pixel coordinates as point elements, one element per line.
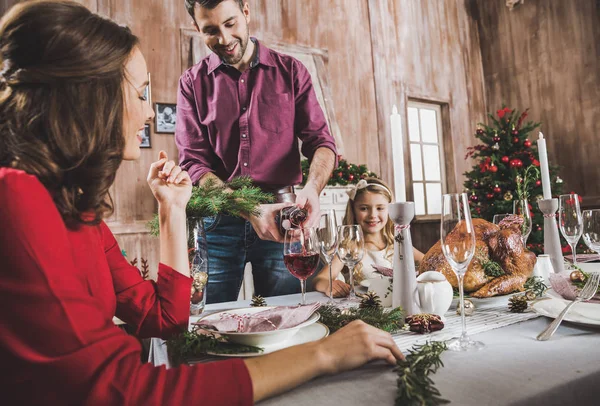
<point>232,242</point>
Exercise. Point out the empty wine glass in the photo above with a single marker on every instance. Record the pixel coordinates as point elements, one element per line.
<point>351,248</point>
<point>458,246</point>
<point>328,243</point>
<point>301,254</point>
<point>499,217</point>
<point>591,229</point>
<point>570,221</point>
<point>521,208</point>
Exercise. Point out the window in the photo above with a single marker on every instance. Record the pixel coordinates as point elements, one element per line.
<point>426,157</point>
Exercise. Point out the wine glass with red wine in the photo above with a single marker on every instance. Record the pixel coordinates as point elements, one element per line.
<point>301,254</point>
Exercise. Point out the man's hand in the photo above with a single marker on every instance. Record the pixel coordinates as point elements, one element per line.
<point>308,199</point>
<point>265,226</point>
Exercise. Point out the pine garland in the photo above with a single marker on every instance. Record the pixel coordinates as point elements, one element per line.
<point>415,387</point>
<point>234,198</point>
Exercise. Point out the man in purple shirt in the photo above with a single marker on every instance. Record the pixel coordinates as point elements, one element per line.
<point>241,112</point>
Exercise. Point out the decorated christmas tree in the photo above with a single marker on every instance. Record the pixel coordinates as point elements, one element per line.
<point>506,170</point>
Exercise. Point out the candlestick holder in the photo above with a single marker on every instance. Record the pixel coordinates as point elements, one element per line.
<point>405,278</point>
<point>551,239</point>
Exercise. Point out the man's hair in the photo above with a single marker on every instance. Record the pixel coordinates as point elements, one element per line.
<point>209,4</point>
<point>62,102</point>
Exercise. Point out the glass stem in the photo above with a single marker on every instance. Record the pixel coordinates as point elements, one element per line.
<point>574,251</point>
<point>461,279</point>
<point>303,288</point>
<point>352,294</point>
<point>330,281</point>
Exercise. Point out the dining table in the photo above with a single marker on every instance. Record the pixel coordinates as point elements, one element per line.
<point>512,369</point>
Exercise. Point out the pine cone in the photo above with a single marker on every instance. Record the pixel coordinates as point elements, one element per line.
<point>517,304</point>
<point>258,301</point>
<point>370,300</point>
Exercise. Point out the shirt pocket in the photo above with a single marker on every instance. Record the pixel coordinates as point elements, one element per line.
<point>275,112</point>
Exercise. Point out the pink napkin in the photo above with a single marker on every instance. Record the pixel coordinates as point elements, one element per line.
<point>278,318</point>
<point>561,284</point>
<point>384,270</point>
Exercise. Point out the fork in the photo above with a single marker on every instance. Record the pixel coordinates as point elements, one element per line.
<point>588,291</point>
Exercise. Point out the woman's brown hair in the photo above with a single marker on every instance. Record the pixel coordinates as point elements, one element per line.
<point>62,102</point>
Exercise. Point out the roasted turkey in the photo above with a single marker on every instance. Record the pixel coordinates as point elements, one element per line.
<point>495,244</point>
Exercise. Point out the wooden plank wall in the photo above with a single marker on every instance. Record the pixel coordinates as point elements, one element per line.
<point>545,55</point>
<point>380,52</point>
<point>427,50</point>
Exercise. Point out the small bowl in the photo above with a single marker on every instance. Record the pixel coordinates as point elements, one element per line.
<point>261,338</point>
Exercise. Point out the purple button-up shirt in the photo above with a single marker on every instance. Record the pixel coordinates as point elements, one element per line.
<point>233,124</point>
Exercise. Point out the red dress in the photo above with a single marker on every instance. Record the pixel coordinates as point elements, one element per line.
<point>59,290</point>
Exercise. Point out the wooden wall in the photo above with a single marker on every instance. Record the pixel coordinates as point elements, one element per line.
<point>381,52</point>
<point>427,50</point>
<point>545,55</point>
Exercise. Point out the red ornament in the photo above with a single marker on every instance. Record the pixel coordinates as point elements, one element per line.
<point>527,143</point>
<point>535,162</point>
<point>479,131</point>
<point>516,140</point>
<point>490,196</point>
<point>474,198</point>
<point>350,177</point>
<point>478,210</point>
<point>538,182</point>
<point>493,168</point>
<point>515,132</point>
<point>476,185</point>
<point>497,189</point>
<point>496,139</point>
<point>505,159</point>
<point>340,174</point>
<point>516,163</point>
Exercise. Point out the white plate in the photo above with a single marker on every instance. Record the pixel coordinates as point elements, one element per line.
<point>306,334</point>
<point>581,313</point>
<point>261,338</point>
<point>365,282</point>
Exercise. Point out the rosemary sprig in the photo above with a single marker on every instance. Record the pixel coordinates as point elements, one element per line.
<point>415,387</point>
<point>191,344</point>
<point>213,198</point>
<point>581,284</point>
<point>390,321</point>
<point>530,175</point>
<point>536,285</point>
<point>492,268</point>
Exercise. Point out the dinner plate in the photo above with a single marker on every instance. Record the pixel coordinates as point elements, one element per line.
<point>306,334</point>
<point>261,338</point>
<point>587,314</point>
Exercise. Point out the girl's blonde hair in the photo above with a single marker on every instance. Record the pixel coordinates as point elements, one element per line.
<point>376,186</point>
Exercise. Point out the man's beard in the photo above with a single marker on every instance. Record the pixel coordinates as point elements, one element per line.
<point>237,57</point>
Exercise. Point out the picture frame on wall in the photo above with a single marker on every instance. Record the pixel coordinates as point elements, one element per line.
<point>146,137</point>
<point>164,120</point>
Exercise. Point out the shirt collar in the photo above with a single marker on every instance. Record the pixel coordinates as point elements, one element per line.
<point>263,56</point>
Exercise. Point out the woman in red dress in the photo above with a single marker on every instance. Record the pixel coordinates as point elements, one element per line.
<point>72,107</point>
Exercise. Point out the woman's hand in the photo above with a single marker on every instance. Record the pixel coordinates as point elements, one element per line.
<point>340,289</point>
<point>355,345</point>
<point>170,184</point>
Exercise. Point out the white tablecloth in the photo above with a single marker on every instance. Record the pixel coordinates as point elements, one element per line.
<point>513,369</point>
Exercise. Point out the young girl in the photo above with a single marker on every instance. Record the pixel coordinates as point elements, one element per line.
<point>367,207</point>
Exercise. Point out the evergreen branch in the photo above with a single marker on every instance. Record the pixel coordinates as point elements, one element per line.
<point>415,387</point>
<point>390,321</point>
<point>190,344</point>
<point>234,198</point>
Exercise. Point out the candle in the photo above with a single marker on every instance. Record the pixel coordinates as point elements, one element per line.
<point>398,155</point>
<point>544,168</point>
